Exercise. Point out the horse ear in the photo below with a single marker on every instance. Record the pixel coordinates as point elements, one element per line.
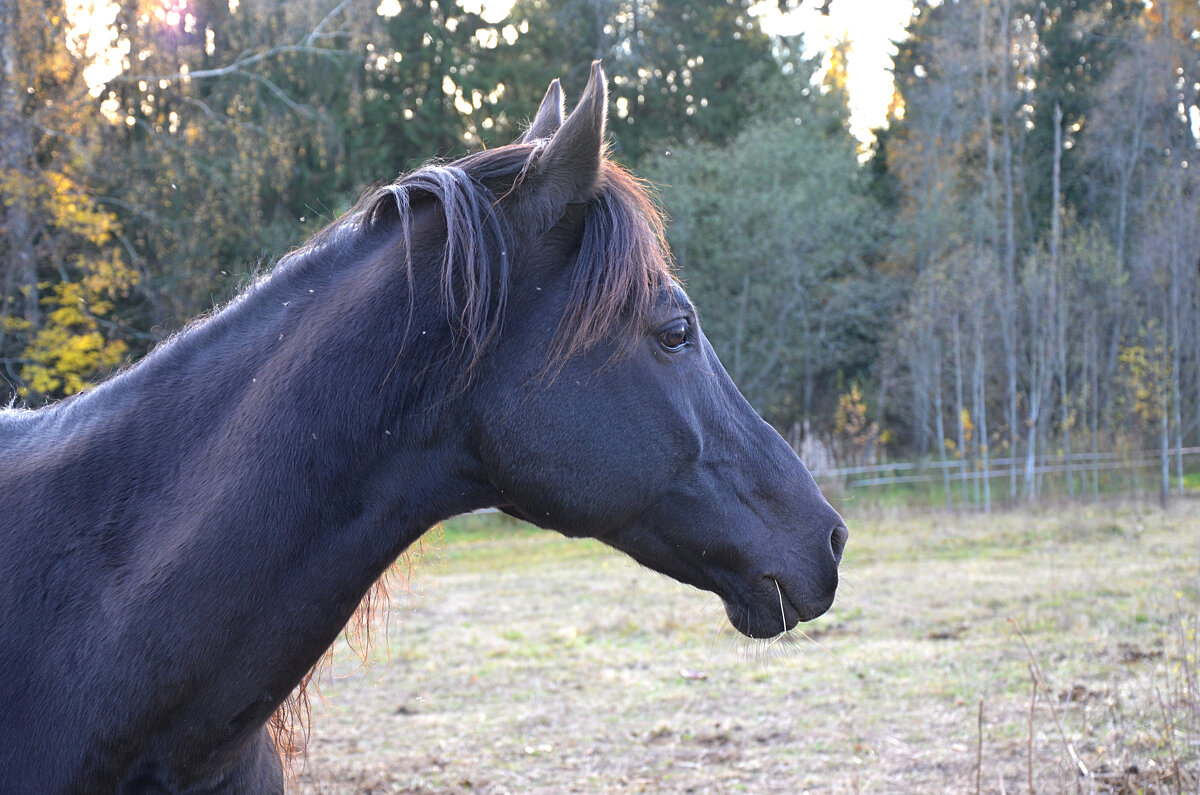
<point>549,116</point>
<point>569,167</point>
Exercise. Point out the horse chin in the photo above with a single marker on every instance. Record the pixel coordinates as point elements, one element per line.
<point>772,612</point>
<point>759,602</point>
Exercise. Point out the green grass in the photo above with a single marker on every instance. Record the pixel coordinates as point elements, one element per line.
<point>490,525</point>
<point>496,540</point>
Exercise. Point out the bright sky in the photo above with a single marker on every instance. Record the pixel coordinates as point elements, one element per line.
<point>870,26</point>
<point>93,36</point>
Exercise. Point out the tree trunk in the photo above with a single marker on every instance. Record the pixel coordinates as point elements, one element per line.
<point>1058,310</point>
<point>1035,406</point>
<point>979,398</point>
<point>939,421</point>
<point>960,406</point>
<point>1092,357</point>
<point>17,168</point>
<point>978,304</point>
<point>1007,304</point>
<point>1164,452</point>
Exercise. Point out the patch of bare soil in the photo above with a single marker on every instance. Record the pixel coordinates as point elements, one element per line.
<point>550,666</point>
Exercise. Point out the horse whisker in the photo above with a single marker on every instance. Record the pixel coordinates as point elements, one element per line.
<point>815,642</point>
<point>782,617</point>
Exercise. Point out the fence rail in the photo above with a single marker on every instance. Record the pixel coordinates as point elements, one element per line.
<point>959,470</point>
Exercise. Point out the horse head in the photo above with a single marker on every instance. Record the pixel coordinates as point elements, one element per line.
<point>605,412</point>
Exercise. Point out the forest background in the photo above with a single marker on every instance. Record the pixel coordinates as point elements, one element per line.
<point>1002,288</point>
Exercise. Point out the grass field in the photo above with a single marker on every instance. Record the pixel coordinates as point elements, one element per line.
<point>518,661</point>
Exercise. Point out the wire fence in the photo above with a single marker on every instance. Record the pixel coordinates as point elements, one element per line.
<point>957,471</point>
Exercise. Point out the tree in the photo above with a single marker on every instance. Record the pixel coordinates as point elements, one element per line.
<point>678,70</point>
<point>228,143</point>
<point>60,261</point>
<point>952,156</point>
<point>775,233</point>
<point>1049,144</point>
<point>1076,44</point>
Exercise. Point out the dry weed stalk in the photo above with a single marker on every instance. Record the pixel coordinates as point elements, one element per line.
<point>1029,741</point>
<point>1180,705</point>
<point>979,752</point>
<point>1035,670</point>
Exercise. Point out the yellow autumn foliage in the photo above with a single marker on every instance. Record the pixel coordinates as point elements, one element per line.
<point>69,349</point>
<point>968,426</point>
<point>851,412</point>
<point>66,351</point>
<point>838,74</point>
<point>1145,372</point>
<point>855,433</point>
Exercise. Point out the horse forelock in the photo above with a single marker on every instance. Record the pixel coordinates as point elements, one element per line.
<point>622,264</point>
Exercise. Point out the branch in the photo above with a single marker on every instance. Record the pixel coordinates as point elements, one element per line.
<point>126,331</point>
<point>149,215</point>
<point>280,94</point>
<point>13,379</point>
<point>318,31</point>
<point>240,63</point>
<point>238,66</point>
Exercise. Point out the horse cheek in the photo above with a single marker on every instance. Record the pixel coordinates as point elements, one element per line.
<point>568,460</point>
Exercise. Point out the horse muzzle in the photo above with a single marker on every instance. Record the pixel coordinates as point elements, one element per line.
<point>789,594</point>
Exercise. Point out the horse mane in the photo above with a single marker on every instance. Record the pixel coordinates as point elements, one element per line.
<point>622,262</point>
<point>619,268</point>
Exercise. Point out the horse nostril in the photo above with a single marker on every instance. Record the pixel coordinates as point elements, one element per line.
<point>837,541</point>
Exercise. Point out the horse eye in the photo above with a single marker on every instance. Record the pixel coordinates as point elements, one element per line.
<point>675,336</point>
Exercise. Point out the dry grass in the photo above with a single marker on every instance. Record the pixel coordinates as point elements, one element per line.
<point>530,663</point>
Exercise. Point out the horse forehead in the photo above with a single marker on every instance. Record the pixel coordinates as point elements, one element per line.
<point>672,295</point>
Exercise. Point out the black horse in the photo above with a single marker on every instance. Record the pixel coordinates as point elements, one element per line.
<point>181,544</point>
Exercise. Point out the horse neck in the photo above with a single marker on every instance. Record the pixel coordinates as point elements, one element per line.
<point>235,495</point>
<point>325,361</point>
<point>305,406</point>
